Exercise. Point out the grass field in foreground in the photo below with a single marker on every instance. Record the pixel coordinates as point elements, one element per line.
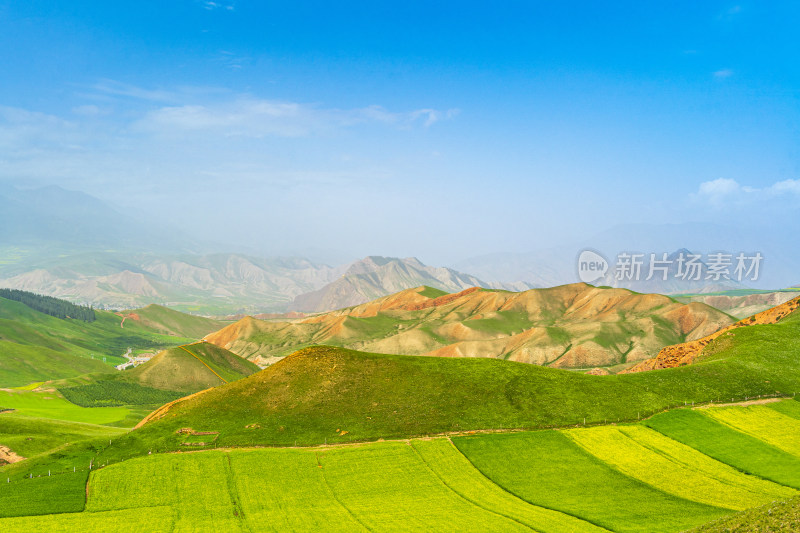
<point>744,452</point>
<point>196,485</point>
<point>132,521</point>
<point>777,517</point>
<point>457,472</point>
<point>674,468</point>
<point>50,405</point>
<point>546,468</point>
<point>389,487</point>
<point>400,486</point>
<point>29,437</point>
<point>62,493</point>
<point>788,408</point>
<point>764,423</point>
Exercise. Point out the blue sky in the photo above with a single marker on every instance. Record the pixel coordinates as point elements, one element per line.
<point>403,129</point>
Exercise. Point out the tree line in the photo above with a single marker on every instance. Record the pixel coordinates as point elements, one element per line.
<point>49,305</point>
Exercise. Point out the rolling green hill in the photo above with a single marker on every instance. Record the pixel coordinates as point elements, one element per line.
<point>316,394</point>
<point>781,516</point>
<point>191,368</point>
<point>572,326</point>
<point>662,474</point>
<point>170,322</point>
<point>35,346</point>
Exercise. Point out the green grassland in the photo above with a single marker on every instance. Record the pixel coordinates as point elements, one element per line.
<point>21,364</point>
<point>777,517</point>
<point>170,322</point>
<point>548,469</point>
<point>307,397</point>
<point>63,493</point>
<point>30,437</point>
<point>384,487</point>
<point>456,472</point>
<point>134,521</point>
<point>190,368</point>
<point>167,376</point>
<point>38,347</point>
<point>790,409</point>
<point>115,393</point>
<point>766,424</point>
<point>50,405</point>
<point>618,478</point>
<point>432,292</point>
<point>623,478</point>
<point>674,468</point>
<point>743,452</point>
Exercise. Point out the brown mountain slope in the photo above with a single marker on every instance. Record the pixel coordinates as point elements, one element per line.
<point>686,353</point>
<point>571,326</point>
<point>741,306</point>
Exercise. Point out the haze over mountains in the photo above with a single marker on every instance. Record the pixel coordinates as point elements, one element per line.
<point>73,246</point>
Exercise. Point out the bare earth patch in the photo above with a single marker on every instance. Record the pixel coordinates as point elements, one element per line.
<point>741,404</point>
<point>8,457</point>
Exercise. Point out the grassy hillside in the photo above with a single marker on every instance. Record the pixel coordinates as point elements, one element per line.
<point>572,326</point>
<point>190,368</point>
<point>326,394</point>
<point>170,322</point>
<point>21,364</point>
<point>37,347</point>
<point>777,517</point>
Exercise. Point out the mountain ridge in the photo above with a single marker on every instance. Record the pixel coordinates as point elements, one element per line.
<point>569,326</point>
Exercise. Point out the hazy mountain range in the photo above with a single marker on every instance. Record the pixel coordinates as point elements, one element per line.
<point>71,245</point>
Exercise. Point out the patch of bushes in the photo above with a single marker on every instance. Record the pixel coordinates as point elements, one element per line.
<point>111,393</point>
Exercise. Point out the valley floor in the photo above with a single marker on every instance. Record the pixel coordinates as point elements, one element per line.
<point>671,473</point>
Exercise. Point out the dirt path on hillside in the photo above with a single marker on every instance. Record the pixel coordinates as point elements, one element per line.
<point>740,404</point>
<point>8,457</point>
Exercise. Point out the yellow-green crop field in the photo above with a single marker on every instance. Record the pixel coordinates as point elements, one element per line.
<point>674,468</point>
<point>762,422</point>
<point>626,478</point>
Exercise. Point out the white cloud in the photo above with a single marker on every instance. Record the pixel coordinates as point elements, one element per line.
<point>723,192</point>
<point>243,138</point>
<point>116,88</point>
<point>252,117</point>
<point>786,187</point>
<point>719,187</point>
<point>722,74</point>
<point>211,6</point>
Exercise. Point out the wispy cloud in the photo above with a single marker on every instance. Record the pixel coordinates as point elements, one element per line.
<point>252,117</point>
<point>723,73</point>
<point>211,6</point>
<point>117,88</point>
<point>723,192</point>
<point>241,137</point>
